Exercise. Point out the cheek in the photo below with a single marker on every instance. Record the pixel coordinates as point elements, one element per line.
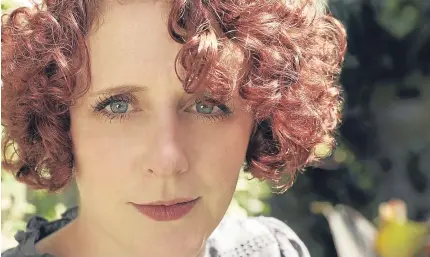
<point>101,150</point>
<point>222,145</point>
<point>224,149</point>
<point>219,157</point>
<point>102,155</point>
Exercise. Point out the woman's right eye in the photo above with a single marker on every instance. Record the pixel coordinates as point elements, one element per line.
<point>117,106</point>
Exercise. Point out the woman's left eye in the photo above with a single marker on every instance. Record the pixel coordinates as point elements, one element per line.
<point>203,108</point>
<point>209,109</point>
<point>118,107</point>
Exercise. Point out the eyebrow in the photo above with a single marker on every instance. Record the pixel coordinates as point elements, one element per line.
<point>119,90</point>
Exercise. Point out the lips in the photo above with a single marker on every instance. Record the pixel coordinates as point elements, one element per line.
<point>167,210</point>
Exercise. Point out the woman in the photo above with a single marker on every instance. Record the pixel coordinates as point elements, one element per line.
<point>154,107</point>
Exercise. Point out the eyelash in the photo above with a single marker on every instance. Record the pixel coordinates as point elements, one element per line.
<point>225,110</point>
<point>102,102</point>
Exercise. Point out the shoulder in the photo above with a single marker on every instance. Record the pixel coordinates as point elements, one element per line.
<point>19,252</point>
<point>37,229</point>
<point>256,236</point>
<point>285,236</point>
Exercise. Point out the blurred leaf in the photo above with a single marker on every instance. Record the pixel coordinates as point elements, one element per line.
<point>249,196</point>
<point>397,19</point>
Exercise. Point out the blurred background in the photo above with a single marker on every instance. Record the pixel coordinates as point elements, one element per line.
<point>384,141</point>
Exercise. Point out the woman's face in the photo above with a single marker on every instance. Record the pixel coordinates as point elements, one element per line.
<point>139,138</point>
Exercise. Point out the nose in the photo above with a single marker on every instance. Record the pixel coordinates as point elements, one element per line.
<point>166,156</point>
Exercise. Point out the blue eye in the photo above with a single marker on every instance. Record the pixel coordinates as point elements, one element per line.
<point>204,108</point>
<point>118,106</point>
<point>209,110</point>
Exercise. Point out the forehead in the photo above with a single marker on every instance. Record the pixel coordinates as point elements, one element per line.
<point>131,45</point>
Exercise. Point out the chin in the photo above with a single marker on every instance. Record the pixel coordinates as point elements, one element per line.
<point>168,242</point>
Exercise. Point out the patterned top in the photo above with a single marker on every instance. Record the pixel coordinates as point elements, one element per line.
<point>250,237</point>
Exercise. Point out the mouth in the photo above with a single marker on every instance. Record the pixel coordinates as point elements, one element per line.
<point>167,210</point>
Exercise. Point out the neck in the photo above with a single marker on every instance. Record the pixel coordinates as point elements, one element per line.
<point>94,240</point>
<point>90,239</point>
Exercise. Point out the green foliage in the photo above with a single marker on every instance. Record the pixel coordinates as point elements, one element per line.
<point>398,18</point>
<point>14,208</point>
<point>250,196</point>
<point>8,4</point>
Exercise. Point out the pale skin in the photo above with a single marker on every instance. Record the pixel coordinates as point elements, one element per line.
<point>151,142</point>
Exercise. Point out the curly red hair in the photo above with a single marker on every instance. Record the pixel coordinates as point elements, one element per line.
<point>293,52</point>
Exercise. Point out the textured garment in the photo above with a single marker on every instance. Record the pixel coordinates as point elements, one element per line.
<point>250,237</point>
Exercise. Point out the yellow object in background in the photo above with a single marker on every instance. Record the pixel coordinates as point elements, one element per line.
<point>355,236</point>
<point>397,236</point>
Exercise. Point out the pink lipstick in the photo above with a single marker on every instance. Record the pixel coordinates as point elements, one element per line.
<point>167,210</point>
